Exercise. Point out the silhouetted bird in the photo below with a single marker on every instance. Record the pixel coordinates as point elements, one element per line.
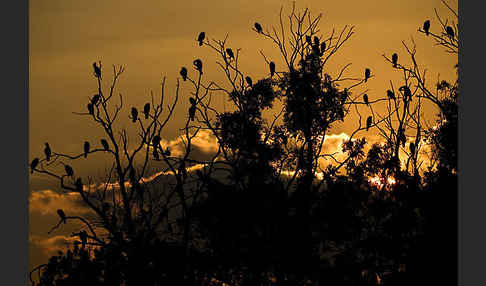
<point>69,170</point>
<point>134,114</point>
<point>365,98</point>
<point>86,149</point>
<point>79,185</point>
<point>369,121</point>
<point>395,59</point>
<point>192,112</point>
<point>230,53</point>
<point>390,94</point>
<point>97,70</point>
<point>192,101</point>
<point>90,108</point>
<point>105,144</point>
<point>272,69</point>
<point>249,81</point>
<point>367,74</point>
<point>323,47</point>
<point>146,110</point>
<point>62,215</point>
<point>450,31</point>
<point>34,164</point>
<point>412,148</point>
<point>316,40</point>
<point>259,28</point>
<point>198,65</point>
<point>427,27</point>
<point>407,94</point>
<point>95,99</point>
<point>183,73</point>
<point>200,38</point>
<point>47,151</point>
<point>308,40</point>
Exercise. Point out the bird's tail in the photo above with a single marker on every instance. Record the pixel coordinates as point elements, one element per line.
<point>200,43</point>
<point>85,155</point>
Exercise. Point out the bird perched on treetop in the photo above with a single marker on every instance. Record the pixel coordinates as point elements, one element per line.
<point>86,149</point>
<point>69,170</point>
<point>62,215</point>
<point>192,101</point>
<point>450,31</point>
<point>134,114</point>
<point>272,69</point>
<point>97,70</point>
<point>365,98</point>
<point>47,151</point>
<point>395,59</point>
<point>201,37</point>
<point>34,164</point>
<point>259,28</point>
<point>427,27</point>
<point>367,74</point>
<point>105,145</point>
<point>95,99</point>
<point>369,121</point>
<point>390,94</point>
<point>183,73</point>
<point>146,110</point>
<point>198,65</point>
<point>407,94</point>
<point>249,81</point>
<point>316,40</point>
<point>90,108</point>
<point>192,112</point>
<point>230,53</point>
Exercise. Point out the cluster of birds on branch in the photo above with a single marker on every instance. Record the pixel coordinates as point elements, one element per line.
<point>449,30</point>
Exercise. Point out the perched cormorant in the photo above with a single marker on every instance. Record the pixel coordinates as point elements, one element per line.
<point>200,38</point>
<point>47,151</point>
<point>183,73</point>
<point>427,27</point>
<point>146,110</point>
<point>259,28</point>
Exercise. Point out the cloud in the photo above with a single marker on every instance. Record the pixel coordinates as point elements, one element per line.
<point>47,202</point>
<point>204,145</point>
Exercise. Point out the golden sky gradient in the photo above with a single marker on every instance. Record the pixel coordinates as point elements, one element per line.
<point>154,38</point>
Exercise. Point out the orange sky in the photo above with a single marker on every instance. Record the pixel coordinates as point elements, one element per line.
<point>158,37</point>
